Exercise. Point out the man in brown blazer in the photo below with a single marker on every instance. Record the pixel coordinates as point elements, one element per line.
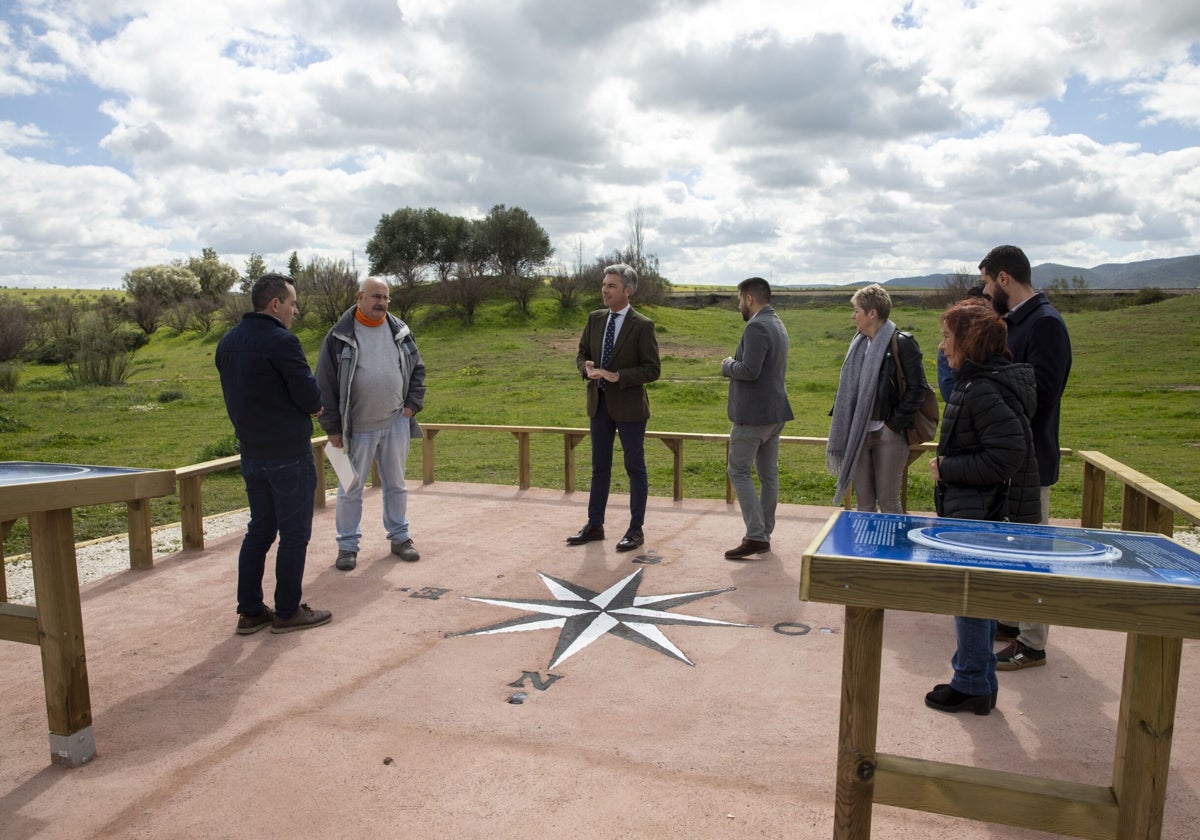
<point>618,355</point>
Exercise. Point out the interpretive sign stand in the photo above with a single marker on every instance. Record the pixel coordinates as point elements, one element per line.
<point>1145,585</point>
<point>46,494</point>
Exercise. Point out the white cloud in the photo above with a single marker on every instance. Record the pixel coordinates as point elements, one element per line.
<point>805,142</point>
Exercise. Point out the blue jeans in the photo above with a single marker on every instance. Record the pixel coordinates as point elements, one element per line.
<point>633,438</point>
<point>974,662</point>
<point>280,493</point>
<point>757,447</point>
<point>388,449</point>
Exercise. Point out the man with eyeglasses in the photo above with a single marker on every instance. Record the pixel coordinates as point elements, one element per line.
<point>372,384</point>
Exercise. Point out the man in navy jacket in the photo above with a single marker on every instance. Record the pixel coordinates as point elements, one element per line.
<point>1038,336</point>
<point>270,395</point>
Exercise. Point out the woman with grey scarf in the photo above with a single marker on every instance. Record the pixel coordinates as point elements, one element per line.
<point>867,445</point>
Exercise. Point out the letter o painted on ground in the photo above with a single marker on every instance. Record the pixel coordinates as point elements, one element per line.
<point>792,628</point>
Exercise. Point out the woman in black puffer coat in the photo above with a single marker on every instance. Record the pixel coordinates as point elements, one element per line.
<point>985,469</point>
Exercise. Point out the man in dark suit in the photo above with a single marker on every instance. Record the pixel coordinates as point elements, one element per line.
<point>758,407</point>
<point>1037,336</point>
<point>618,355</point>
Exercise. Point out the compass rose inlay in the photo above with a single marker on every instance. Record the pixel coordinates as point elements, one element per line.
<point>584,615</point>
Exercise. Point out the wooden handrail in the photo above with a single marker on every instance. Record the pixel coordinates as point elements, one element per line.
<point>571,438</point>
<point>190,480</point>
<point>1146,504</point>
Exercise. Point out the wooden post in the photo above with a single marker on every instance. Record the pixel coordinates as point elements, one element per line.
<point>319,461</point>
<point>427,455</point>
<point>862,655</point>
<point>1144,729</point>
<point>60,624</point>
<point>191,512</point>
<point>5,527</point>
<point>570,441</point>
<point>1092,514</point>
<point>141,545</point>
<point>676,447</point>
<point>523,469</point>
<point>1133,509</point>
<point>729,494</point>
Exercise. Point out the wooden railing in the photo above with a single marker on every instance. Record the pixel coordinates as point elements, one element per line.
<point>1146,504</point>
<point>190,480</point>
<point>571,438</point>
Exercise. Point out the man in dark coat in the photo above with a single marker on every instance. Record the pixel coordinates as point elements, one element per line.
<point>1037,336</point>
<point>618,355</point>
<point>270,396</point>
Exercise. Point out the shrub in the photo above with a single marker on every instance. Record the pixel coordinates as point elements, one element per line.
<point>221,448</point>
<point>105,354</point>
<point>10,374</point>
<point>14,329</point>
<point>1148,295</point>
<point>170,395</point>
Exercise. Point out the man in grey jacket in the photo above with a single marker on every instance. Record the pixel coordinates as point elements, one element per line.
<point>758,407</point>
<point>372,384</point>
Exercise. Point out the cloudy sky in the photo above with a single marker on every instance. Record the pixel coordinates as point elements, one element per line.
<point>804,142</point>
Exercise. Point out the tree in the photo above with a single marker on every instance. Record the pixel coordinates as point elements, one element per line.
<point>215,277</point>
<point>14,328</point>
<point>568,287</point>
<point>956,287</point>
<point>256,267</point>
<point>326,288</point>
<point>293,265</point>
<point>516,245</point>
<point>446,240</point>
<point>514,242</point>
<point>471,285</point>
<point>398,246</point>
<point>161,287</point>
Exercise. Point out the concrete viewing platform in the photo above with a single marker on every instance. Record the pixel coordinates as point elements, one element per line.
<point>708,709</point>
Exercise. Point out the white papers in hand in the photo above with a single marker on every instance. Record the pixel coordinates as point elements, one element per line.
<point>342,466</point>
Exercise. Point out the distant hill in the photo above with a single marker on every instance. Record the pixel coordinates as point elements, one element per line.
<point>1173,273</point>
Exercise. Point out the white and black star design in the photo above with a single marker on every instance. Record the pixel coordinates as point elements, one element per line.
<point>585,615</point>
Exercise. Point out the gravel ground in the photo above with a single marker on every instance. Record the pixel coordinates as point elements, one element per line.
<point>101,558</point>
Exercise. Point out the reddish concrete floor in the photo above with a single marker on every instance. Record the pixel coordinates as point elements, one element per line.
<point>390,723</point>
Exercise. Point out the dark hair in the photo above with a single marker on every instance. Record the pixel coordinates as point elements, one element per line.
<point>756,287</point>
<point>1011,260</point>
<point>267,288</point>
<point>979,332</point>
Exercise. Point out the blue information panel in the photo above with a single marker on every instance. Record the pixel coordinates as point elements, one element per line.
<point>37,472</point>
<point>1049,549</point>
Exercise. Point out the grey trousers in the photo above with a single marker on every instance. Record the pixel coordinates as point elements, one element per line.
<point>755,447</point>
<point>1033,634</point>
<point>879,471</point>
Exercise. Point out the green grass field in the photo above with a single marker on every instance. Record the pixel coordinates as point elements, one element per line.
<point>1134,394</point>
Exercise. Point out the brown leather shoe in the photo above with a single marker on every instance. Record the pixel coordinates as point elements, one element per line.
<point>747,548</point>
<point>588,533</point>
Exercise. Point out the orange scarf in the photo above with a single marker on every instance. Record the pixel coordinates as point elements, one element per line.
<point>365,321</point>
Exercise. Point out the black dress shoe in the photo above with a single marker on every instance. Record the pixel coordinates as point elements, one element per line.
<point>632,539</point>
<point>588,533</point>
<point>948,699</point>
<point>747,548</point>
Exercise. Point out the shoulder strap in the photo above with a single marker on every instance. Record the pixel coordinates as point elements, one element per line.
<point>899,367</point>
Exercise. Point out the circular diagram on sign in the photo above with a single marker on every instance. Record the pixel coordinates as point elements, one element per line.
<point>1023,547</point>
<point>32,473</point>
